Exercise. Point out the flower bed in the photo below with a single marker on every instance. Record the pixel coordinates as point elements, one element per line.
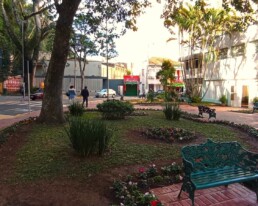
<point>242,127</point>
<point>6,132</point>
<point>133,190</point>
<point>169,134</point>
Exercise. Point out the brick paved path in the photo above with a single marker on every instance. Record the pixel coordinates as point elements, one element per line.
<point>233,195</point>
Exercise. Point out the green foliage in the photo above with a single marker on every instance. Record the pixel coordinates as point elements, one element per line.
<point>115,109</point>
<point>172,111</point>
<point>167,73</point>
<point>223,99</point>
<point>168,111</point>
<point>88,136</point>
<point>255,99</point>
<point>150,96</point>
<point>76,109</point>
<point>169,135</point>
<point>196,99</point>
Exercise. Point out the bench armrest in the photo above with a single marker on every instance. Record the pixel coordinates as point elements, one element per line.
<point>249,160</point>
<point>188,167</point>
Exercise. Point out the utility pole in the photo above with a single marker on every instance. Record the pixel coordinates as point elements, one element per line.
<point>107,59</point>
<point>23,83</point>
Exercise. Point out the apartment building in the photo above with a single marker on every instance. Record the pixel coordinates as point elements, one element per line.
<point>234,73</point>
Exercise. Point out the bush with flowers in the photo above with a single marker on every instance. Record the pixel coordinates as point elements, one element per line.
<point>169,134</point>
<point>133,190</point>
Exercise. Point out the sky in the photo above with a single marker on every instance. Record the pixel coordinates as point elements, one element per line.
<point>150,39</point>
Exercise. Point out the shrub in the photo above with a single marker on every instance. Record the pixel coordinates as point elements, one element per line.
<point>196,99</point>
<point>168,111</point>
<point>88,136</point>
<point>150,96</point>
<point>223,99</point>
<point>172,111</point>
<point>115,109</point>
<point>76,109</point>
<point>255,99</point>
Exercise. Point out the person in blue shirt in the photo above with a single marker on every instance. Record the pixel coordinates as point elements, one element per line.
<point>71,93</point>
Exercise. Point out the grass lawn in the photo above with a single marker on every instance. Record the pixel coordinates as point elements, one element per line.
<point>46,153</point>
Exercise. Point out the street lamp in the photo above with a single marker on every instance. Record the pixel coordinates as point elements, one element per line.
<point>107,59</point>
<point>23,83</point>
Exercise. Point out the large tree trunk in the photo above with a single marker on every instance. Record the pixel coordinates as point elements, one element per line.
<point>52,106</point>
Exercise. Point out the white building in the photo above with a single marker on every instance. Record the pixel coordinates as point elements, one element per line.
<point>235,72</point>
<point>148,75</point>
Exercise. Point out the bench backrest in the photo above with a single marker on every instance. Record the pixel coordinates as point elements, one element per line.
<point>213,155</point>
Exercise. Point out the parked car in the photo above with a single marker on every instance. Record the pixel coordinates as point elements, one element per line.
<point>37,95</point>
<point>103,93</point>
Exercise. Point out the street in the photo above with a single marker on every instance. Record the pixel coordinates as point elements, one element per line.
<point>15,105</point>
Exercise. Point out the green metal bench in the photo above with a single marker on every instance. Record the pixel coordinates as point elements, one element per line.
<point>255,106</point>
<point>214,164</point>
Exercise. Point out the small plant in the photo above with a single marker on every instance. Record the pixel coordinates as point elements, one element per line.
<point>168,111</point>
<point>150,96</point>
<point>176,112</point>
<point>76,109</point>
<point>223,99</point>
<point>196,99</point>
<point>115,109</point>
<point>172,111</point>
<point>255,100</point>
<point>88,136</point>
<point>169,135</point>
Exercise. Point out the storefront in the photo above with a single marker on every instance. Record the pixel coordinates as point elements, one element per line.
<point>131,85</point>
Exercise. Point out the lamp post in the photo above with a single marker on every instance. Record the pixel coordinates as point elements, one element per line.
<point>23,83</point>
<point>107,59</point>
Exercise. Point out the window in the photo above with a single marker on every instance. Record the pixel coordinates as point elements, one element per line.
<point>238,50</point>
<point>196,61</point>
<point>223,53</point>
<point>187,65</point>
<point>232,93</point>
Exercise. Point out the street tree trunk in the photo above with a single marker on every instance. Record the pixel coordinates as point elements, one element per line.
<point>52,106</point>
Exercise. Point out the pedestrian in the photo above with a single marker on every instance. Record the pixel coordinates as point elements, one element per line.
<point>71,93</point>
<point>85,95</point>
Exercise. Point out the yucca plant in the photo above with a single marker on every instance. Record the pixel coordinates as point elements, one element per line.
<point>168,111</point>
<point>88,136</point>
<point>176,111</point>
<point>76,109</point>
<point>172,111</point>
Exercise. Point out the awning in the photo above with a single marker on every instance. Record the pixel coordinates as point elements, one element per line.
<point>177,84</point>
<point>131,82</point>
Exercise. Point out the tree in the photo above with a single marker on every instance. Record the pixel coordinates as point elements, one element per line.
<point>167,74</point>
<point>83,41</point>
<point>26,25</point>
<point>52,107</point>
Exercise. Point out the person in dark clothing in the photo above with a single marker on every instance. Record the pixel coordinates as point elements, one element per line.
<point>85,95</point>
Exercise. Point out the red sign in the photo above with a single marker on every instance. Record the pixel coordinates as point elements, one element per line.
<point>13,84</point>
<point>131,79</point>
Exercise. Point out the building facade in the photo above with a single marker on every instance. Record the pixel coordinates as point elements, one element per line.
<point>148,80</point>
<point>234,73</point>
<point>95,75</point>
